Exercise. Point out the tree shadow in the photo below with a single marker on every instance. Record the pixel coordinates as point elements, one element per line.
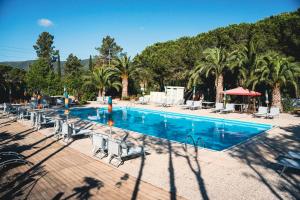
<point>196,170</point>
<point>84,191</point>
<point>22,181</point>
<point>262,152</point>
<point>173,190</point>
<point>140,174</point>
<point>163,146</point>
<point>124,178</point>
<point>21,185</point>
<point>5,139</point>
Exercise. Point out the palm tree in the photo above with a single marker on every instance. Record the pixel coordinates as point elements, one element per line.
<point>125,69</point>
<point>277,71</point>
<point>215,62</point>
<point>103,78</point>
<point>245,62</point>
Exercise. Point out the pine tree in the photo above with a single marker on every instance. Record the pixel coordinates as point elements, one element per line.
<point>58,65</point>
<point>91,63</point>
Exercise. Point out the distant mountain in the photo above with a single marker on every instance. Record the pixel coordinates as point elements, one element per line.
<point>25,64</point>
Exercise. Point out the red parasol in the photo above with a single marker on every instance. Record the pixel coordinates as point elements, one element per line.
<point>241,92</point>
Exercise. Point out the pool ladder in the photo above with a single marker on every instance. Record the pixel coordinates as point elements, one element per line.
<point>199,139</point>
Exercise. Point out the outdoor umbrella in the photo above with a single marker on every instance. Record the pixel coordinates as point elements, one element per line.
<point>241,92</point>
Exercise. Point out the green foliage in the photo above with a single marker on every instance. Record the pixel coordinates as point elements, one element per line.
<point>44,46</point>
<point>11,79</point>
<point>72,75</point>
<point>109,49</point>
<point>172,62</point>
<point>273,68</point>
<point>287,104</point>
<point>90,63</point>
<point>126,98</point>
<point>125,70</point>
<point>37,76</point>
<point>58,64</point>
<point>102,78</point>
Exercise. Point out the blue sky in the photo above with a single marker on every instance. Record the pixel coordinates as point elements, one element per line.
<point>79,26</point>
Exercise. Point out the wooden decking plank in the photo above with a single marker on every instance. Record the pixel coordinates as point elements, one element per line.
<point>66,170</point>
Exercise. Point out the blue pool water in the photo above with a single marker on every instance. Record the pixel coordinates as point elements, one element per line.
<point>215,134</point>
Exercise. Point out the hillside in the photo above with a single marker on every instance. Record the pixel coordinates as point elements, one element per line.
<point>25,64</point>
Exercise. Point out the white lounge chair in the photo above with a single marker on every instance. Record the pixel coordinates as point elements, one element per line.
<point>229,108</point>
<point>169,102</point>
<point>69,131</point>
<point>120,150</point>
<point>99,142</point>
<point>178,102</point>
<point>218,107</point>
<point>293,155</point>
<point>274,111</point>
<point>141,100</point>
<point>196,105</point>
<point>8,158</point>
<point>43,120</point>
<point>188,104</point>
<point>288,163</point>
<point>262,112</point>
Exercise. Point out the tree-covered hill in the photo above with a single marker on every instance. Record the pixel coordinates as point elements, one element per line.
<point>170,62</point>
<point>25,64</point>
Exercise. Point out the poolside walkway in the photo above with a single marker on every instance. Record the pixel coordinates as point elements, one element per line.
<point>247,171</point>
<point>60,172</point>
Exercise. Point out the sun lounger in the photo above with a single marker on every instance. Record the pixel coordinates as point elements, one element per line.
<point>7,158</point>
<point>69,131</point>
<point>143,100</point>
<point>120,150</point>
<point>218,107</point>
<point>262,112</point>
<point>57,127</point>
<point>169,102</point>
<point>196,105</point>
<point>188,104</point>
<point>229,108</point>
<point>288,163</point>
<point>23,113</point>
<point>45,104</point>
<point>293,155</point>
<point>99,142</point>
<point>274,111</point>
<point>43,120</point>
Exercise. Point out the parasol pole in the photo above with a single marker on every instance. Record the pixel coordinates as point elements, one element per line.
<point>267,98</point>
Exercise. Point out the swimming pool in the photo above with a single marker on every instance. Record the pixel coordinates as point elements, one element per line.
<point>216,134</point>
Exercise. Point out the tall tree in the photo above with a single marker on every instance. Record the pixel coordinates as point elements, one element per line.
<point>58,64</point>
<point>40,76</point>
<point>109,49</point>
<point>215,62</point>
<point>72,75</point>
<point>44,47</point>
<point>36,76</point>
<point>245,62</point>
<point>90,63</point>
<point>125,69</point>
<point>276,71</point>
<point>11,79</point>
<point>72,65</point>
<point>103,78</point>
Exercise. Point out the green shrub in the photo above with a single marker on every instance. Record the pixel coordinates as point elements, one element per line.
<point>126,98</point>
<point>287,104</point>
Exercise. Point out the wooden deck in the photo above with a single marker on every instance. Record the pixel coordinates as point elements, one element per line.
<point>59,172</point>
